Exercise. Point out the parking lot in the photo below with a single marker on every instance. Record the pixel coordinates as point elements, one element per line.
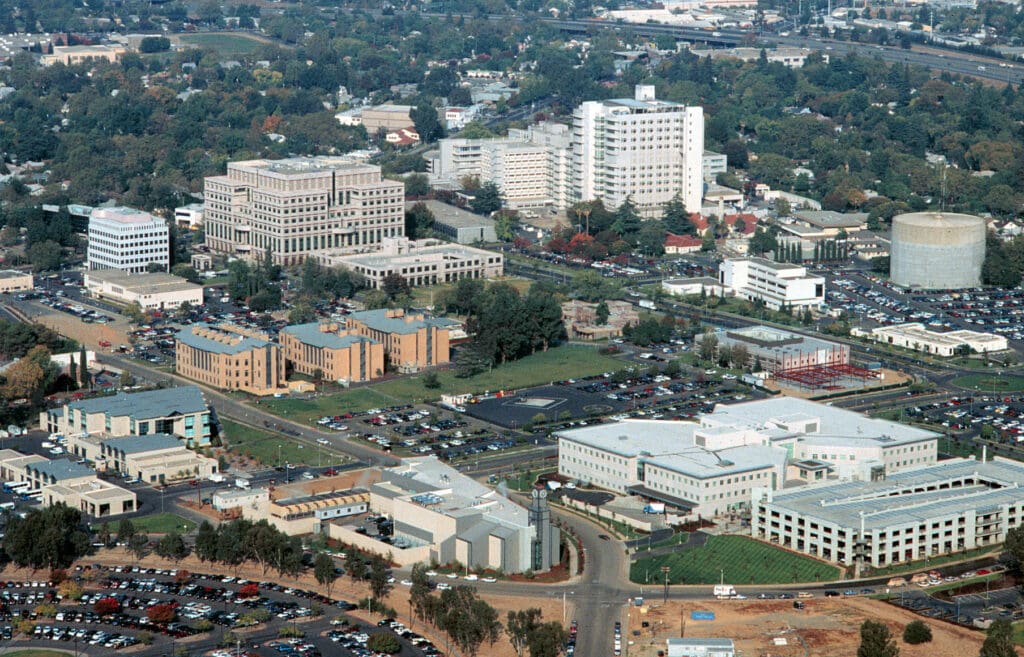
<point>113,614</point>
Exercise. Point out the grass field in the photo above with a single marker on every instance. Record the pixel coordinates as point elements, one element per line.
<point>162,523</point>
<point>227,45</point>
<point>988,383</point>
<point>267,446</point>
<point>740,559</point>
<point>566,361</point>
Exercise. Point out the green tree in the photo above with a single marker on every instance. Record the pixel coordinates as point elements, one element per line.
<point>519,626</point>
<point>676,218</point>
<point>138,545</point>
<point>651,238</point>
<point>487,199</point>
<point>395,286</point>
<point>50,538</point>
<point>186,271</point>
<point>172,546</point>
<point>506,223</point>
<point>125,530</point>
<point>324,571</point>
<point>419,220</point>
<point>44,256</point>
<point>424,117</point>
<point>627,221</point>
<point>380,572</point>
<point>416,184</point>
<point>301,313</point>
<point>998,640</point>
<point>431,381</point>
<point>384,642</point>
<point>876,640</point>
<point>83,367</point>
<point>601,313</point>
<point>917,632</point>
<point>206,542</point>
<point>548,640</point>
<point>1013,549</point>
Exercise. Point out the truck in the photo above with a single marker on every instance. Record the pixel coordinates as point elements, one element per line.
<point>654,507</point>
<point>647,303</point>
<point>554,485</point>
<point>725,591</point>
<point>217,478</point>
<point>242,483</point>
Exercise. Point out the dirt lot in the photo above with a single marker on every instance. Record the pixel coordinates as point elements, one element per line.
<point>115,332</point>
<point>825,627</point>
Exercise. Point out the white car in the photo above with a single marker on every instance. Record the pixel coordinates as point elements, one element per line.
<point>452,575</point>
<point>471,578</point>
<point>489,580</point>
<point>443,586</point>
<point>406,582</point>
<point>323,441</point>
<point>431,573</point>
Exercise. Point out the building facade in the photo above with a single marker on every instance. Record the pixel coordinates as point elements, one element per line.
<point>156,291</point>
<point>947,508</point>
<point>335,353</point>
<point>301,206</point>
<point>778,350</point>
<point>12,280</point>
<point>411,342</point>
<point>230,358</point>
<point>180,411</point>
<point>420,262</point>
<point>777,284</point>
<point>127,239</point>
<point>457,224</point>
<point>640,148</point>
<point>189,216</point>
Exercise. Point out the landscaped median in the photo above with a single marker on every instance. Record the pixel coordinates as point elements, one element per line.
<point>737,559</point>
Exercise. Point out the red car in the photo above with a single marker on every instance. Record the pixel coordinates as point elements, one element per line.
<point>330,472</point>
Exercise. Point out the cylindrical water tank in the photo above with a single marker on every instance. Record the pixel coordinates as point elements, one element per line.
<point>937,250</point>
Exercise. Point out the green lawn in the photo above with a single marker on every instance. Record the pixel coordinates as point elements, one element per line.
<point>923,565</point>
<point>228,45</point>
<point>162,523</point>
<point>989,383</point>
<point>744,561</point>
<point>563,362</point>
<point>268,446</point>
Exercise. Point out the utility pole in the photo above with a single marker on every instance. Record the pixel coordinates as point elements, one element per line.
<point>665,570</point>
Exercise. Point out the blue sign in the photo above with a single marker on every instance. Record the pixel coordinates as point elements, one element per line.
<point>702,615</point>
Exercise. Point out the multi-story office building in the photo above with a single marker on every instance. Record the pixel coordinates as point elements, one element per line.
<point>230,358</point>
<point>411,342</point>
<point>335,353</point>
<point>179,411</point>
<point>640,148</point>
<point>777,284</point>
<point>301,206</point>
<point>420,262</point>
<point>12,280</point>
<point>127,239</point>
<point>532,166</point>
<point>713,466</point>
<point>945,508</point>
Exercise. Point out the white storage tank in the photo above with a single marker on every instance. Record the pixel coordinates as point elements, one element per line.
<point>937,250</point>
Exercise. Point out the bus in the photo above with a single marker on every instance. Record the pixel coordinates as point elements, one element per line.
<point>15,486</point>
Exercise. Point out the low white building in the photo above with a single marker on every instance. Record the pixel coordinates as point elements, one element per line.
<point>945,508</point>
<point>696,647</point>
<point>127,239</point>
<point>151,291</point>
<point>777,284</point>
<point>682,287</point>
<point>420,262</point>
<point>918,337</point>
<point>189,216</point>
<point>712,466</point>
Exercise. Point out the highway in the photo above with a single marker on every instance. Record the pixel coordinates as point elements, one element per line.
<point>952,61</point>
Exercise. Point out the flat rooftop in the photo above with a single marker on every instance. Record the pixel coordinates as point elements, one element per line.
<point>232,343</point>
<point>831,219</point>
<point>312,335</point>
<point>123,215</point>
<point>450,215</point>
<point>433,253</point>
<point>301,165</point>
<point>142,444</point>
<point>155,283</point>
<point>892,502</point>
<point>60,469</point>
<point>165,402</point>
<point>949,338</point>
<point>379,320</point>
<point>13,273</point>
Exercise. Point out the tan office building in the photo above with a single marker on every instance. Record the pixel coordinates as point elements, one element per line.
<point>300,206</point>
<point>12,280</point>
<point>230,358</point>
<point>154,458</point>
<point>411,342</point>
<point>336,354</point>
<point>387,117</point>
<point>420,262</point>
<point>72,55</point>
<point>95,498</point>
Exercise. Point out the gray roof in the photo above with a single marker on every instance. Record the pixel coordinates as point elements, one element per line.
<point>61,469</point>
<point>450,215</point>
<point>379,321</point>
<point>705,643</point>
<point>312,335</point>
<point>141,444</point>
<point>145,405</point>
<point>239,343</point>
<point>831,219</point>
<point>892,502</point>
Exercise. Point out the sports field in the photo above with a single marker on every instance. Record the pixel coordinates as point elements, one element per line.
<point>989,383</point>
<point>226,44</point>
